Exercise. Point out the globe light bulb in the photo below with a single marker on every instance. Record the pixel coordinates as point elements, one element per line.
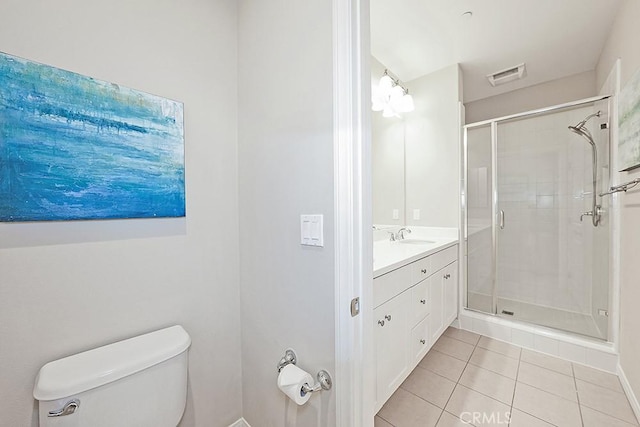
<point>406,104</point>
<point>388,111</point>
<point>385,85</point>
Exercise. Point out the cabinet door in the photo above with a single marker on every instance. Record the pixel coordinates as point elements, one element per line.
<point>419,341</point>
<point>392,352</point>
<point>436,312</point>
<point>450,286</point>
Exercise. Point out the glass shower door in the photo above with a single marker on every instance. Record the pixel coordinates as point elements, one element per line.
<point>544,247</point>
<point>532,199</point>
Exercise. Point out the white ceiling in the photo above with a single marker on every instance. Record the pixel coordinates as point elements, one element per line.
<point>555,38</point>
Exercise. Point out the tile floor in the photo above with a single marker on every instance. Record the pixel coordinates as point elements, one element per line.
<point>467,379</point>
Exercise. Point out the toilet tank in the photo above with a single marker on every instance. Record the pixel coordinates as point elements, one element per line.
<point>139,382</point>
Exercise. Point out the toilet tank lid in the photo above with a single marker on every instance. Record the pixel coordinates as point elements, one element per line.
<point>90,369</point>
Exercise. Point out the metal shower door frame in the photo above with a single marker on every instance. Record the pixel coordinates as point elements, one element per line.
<point>494,188</point>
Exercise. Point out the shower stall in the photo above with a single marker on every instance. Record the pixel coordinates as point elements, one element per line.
<point>536,229</point>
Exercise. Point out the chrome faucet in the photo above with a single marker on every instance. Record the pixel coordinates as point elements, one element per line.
<point>400,235</point>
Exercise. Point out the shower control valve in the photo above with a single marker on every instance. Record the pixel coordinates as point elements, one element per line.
<point>596,215</point>
<point>589,213</point>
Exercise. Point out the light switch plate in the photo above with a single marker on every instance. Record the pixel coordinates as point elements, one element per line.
<point>416,214</point>
<point>311,230</point>
<point>395,214</point>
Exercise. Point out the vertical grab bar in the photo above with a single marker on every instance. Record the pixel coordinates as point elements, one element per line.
<point>501,219</point>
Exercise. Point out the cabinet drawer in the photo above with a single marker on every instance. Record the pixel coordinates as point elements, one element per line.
<point>419,340</point>
<point>419,301</point>
<point>420,269</point>
<point>443,258</point>
<point>391,284</point>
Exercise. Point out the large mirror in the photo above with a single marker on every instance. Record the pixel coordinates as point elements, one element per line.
<point>416,154</point>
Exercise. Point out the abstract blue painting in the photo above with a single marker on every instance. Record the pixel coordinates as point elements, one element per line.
<point>72,147</point>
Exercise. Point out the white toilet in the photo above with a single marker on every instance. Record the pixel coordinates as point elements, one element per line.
<point>139,382</point>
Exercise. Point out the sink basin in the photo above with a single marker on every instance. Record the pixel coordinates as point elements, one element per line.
<point>415,242</point>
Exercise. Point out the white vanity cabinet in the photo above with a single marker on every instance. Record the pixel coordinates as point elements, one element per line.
<point>414,304</point>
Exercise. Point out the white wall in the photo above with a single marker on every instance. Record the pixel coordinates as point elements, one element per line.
<point>432,148</point>
<point>285,169</point>
<point>567,89</point>
<point>71,286</point>
<point>622,43</point>
<point>387,144</point>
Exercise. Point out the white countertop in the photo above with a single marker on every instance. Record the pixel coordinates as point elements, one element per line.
<point>388,256</point>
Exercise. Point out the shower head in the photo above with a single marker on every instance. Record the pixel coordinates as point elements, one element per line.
<point>581,130</point>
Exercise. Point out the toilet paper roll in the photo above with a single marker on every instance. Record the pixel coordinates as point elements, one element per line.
<point>290,382</point>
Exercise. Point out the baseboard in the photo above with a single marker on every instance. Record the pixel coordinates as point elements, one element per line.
<point>240,423</point>
<point>633,401</point>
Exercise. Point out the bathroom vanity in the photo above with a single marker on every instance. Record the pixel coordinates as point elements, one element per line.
<point>415,293</point>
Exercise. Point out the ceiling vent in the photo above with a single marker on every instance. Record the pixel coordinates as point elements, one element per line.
<point>507,75</point>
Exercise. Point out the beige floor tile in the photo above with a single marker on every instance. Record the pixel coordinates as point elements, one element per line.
<point>431,387</point>
<point>404,409</point>
<point>452,347</point>
<point>547,380</point>
<point>546,406</point>
<point>593,418</point>
<point>495,362</point>
<point>500,347</point>
<point>379,422</point>
<point>604,400</point>
<point>462,335</point>
<point>443,364</point>
<point>476,408</point>
<point>546,361</point>
<point>522,419</point>
<point>489,383</point>
<point>448,420</point>
<point>595,376</point>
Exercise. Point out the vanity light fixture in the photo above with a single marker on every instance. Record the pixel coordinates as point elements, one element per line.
<point>390,97</point>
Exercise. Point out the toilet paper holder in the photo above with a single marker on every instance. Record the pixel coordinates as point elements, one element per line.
<point>323,377</point>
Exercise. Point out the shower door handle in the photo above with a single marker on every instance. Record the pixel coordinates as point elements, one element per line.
<point>501,220</point>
